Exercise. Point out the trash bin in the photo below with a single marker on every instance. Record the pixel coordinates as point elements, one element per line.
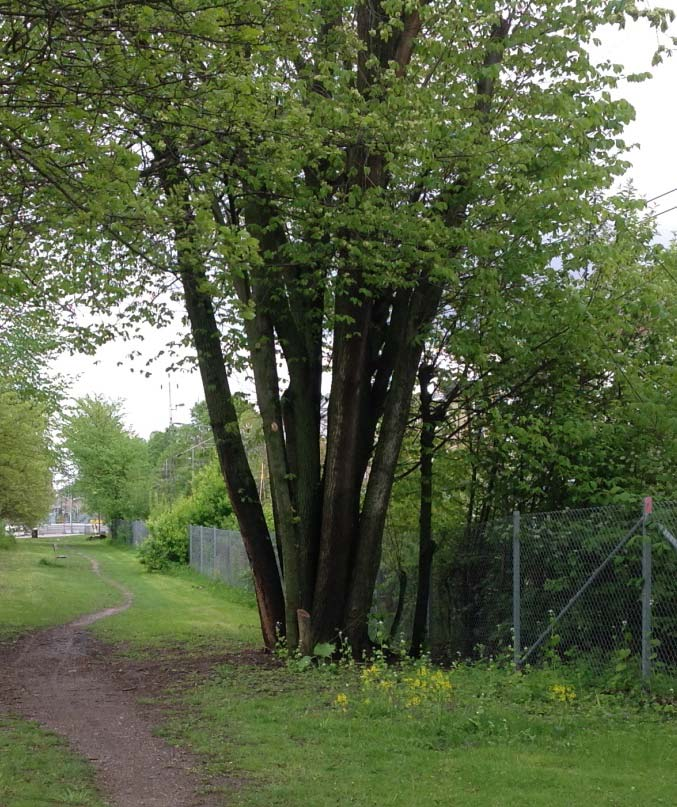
<point>34,533</point>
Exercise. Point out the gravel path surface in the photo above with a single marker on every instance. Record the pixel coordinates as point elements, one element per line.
<point>65,679</point>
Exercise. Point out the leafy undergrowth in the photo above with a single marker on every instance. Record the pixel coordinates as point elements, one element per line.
<point>37,769</point>
<point>413,735</point>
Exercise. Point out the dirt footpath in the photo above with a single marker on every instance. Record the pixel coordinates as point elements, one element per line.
<point>66,680</point>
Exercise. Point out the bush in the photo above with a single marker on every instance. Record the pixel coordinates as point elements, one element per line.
<point>7,541</point>
<point>208,504</point>
<point>167,540</point>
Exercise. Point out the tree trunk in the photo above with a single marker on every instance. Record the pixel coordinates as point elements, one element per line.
<point>342,481</point>
<point>291,422</point>
<point>233,459</point>
<point>262,353</point>
<point>421,307</point>
<point>230,449</point>
<point>399,610</point>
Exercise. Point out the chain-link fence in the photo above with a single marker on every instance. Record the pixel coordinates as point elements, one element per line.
<point>471,591</point>
<point>133,533</point>
<point>661,596</point>
<point>594,584</point>
<point>219,553</point>
<point>598,584</point>
<point>67,528</point>
<point>578,578</point>
<point>469,612</point>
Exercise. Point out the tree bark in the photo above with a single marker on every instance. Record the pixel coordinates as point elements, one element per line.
<point>421,309</point>
<point>233,459</point>
<point>230,448</point>
<point>291,422</point>
<point>399,610</point>
<point>342,481</point>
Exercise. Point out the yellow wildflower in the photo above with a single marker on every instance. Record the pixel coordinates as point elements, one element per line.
<point>341,701</point>
<point>563,693</point>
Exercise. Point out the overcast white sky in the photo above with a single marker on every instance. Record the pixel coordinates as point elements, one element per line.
<point>654,171</point>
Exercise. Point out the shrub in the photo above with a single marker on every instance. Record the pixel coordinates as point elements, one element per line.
<point>7,541</point>
<point>167,540</point>
<point>207,504</point>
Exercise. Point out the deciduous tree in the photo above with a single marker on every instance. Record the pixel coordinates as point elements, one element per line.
<point>311,181</point>
<point>113,473</point>
<point>25,461</point>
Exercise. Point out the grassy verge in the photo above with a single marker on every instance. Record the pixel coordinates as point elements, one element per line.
<point>495,739</point>
<point>7,542</point>
<point>37,769</point>
<point>37,589</point>
<point>180,608</point>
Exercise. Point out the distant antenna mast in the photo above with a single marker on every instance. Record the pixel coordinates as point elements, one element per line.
<point>171,409</point>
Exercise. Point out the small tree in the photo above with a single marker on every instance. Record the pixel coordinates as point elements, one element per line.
<point>112,464</point>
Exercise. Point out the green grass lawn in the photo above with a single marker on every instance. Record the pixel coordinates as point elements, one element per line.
<point>497,741</point>
<point>38,590</point>
<point>37,770</point>
<point>179,608</point>
<point>279,736</point>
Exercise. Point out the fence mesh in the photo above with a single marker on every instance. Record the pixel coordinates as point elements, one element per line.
<point>220,554</point>
<point>587,562</point>
<point>133,533</point>
<point>664,583</point>
<point>470,594</point>
<point>75,528</point>
<point>470,607</point>
<point>560,552</point>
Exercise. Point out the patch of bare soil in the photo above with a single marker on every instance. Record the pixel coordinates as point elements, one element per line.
<point>68,681</point>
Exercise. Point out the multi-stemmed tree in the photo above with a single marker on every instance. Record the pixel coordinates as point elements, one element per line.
<point>311,181</point>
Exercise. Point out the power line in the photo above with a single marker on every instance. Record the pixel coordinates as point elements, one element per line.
<point>660,195</point>
<point>662,212</point>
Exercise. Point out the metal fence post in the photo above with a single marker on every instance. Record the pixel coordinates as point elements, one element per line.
<point>214,555</point>
<point>516,593</point>
<point>646,591</point>
<point>202,549</point>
